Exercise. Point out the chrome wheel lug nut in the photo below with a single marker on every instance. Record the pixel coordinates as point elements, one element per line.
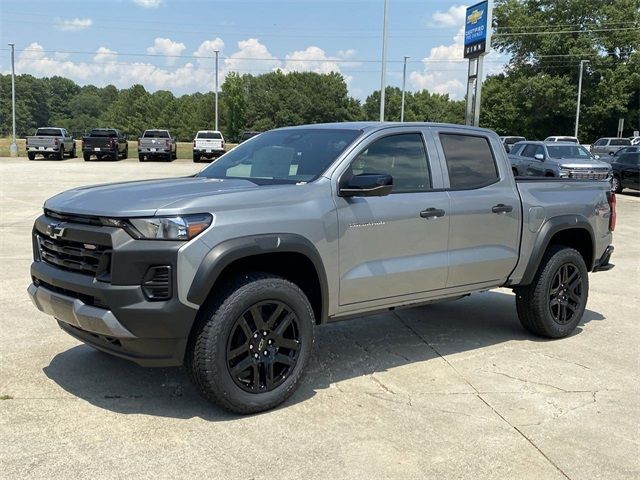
<point>255,335</point>
<point>250,347</point>
<point>266,353</point>
<point>270,342</point>
<point>256,355</point>
<point>264,334</point>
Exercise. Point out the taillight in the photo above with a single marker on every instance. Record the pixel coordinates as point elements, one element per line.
<point>56,141</point>
<point>194,144</point>
<point>166,143</point>
<point>138,142</point>
<point>613,216</point>
<point>222,143</point>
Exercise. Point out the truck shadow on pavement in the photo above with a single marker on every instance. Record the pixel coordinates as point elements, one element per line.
<point>344,350</point>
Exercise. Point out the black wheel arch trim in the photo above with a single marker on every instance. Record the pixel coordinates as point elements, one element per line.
<point>227,252</point>
<point>546,233</point>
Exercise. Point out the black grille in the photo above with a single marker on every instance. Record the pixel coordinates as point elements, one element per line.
<point>156,283</point>
<point>86,299</point>
<point>82,219</point>
<point>86,258</point>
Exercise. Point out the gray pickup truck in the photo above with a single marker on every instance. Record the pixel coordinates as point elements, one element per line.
<point>229,271</point>
<point>51,142</point>
<point>157,144</point>
<point>557,159</point>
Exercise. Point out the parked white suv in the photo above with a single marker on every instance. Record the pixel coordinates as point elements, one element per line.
<point>562,139</point>
<point>208,144</point>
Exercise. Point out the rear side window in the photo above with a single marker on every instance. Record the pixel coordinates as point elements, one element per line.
<point>401,156</point>
<point>212,135</point>
<point>620,141</point>
<point>469,160</point>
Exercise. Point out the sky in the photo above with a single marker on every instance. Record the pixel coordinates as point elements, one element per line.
<point>170,44</point>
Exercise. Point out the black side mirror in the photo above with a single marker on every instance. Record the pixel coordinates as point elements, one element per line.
<point>366,185</point>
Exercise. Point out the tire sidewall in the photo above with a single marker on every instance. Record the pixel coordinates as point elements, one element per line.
<point>227,314</point>
<point>560,258</point>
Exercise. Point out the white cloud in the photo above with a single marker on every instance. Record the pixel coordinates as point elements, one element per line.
<point>148,3</point>
<point>105,55</point>
<point>311,59</point>
<point>206,52</point>
<point>252,56</point>
<point>344,54</point>
<point>454,17</point>
<point>73,24</point>
<point>166,46</point>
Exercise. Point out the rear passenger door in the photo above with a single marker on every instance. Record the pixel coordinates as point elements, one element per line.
<point>485,214</point>
<point>395,245</point>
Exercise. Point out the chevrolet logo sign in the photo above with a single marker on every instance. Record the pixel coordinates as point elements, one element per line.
<point>56,230</point>
<point>475,16</point>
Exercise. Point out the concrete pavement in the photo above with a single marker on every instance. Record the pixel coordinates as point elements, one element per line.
<point>455,390</point>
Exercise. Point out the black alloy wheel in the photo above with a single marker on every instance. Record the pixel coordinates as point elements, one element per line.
<point>263,346</point>
<point>565,294</point>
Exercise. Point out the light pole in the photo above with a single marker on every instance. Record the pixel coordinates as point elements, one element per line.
<point>384,63</point>
<point>216,52</point>
<point>582,62</point>
<point>13,149</point>
<point>404,81</point>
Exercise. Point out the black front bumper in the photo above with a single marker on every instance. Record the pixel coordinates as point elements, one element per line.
<point>111,310</point>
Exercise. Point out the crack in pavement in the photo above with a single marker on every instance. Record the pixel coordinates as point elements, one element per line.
<point>479,395</point>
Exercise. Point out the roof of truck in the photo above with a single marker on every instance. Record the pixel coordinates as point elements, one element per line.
<point>380,125</point>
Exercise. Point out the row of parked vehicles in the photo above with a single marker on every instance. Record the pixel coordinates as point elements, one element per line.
<point>111,144</point>
<point>617,159</point>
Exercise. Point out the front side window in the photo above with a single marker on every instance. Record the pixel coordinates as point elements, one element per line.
<point>283,156</point>
<point>532,150</point>
<point>402,156</point>
<point>469,160</point>
<point>602,141</point>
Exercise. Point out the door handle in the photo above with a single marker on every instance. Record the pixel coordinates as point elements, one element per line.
<point>432,213</point>
<point>502,208</point>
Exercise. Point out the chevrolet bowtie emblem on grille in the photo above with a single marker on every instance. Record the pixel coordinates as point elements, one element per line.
<point>56,230</point>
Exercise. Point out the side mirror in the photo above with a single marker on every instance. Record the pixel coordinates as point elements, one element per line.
<point>539,156</point>
<point>367,185</point>
<point>596,157</point>
<point>611,154</point>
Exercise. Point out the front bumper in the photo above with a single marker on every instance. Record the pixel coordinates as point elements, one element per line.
<point>111,310</point>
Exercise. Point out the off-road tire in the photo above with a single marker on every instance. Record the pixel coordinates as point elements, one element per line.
<point>616,184</point>
<point>206,356</point>
<point>533,301</point>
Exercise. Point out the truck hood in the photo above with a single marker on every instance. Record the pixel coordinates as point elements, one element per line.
<point>580,163</point>
<point>140,198</point>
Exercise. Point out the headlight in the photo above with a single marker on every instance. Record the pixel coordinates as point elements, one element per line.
<point>182,227</point>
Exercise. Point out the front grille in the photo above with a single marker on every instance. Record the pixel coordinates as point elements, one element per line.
<point>67,217</point>
<point>85,258</point>
<point>589,174</point>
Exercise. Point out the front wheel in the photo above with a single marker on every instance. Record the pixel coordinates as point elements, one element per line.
<point>553,304</point>
<point>251,343</point>
<point>616,185</point>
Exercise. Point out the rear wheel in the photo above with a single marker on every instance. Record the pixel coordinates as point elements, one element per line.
<point>196,157</point>
<point>251,343</point>
<point>126,152</point>
<point>31,155</point>
<point>140,157</point>
<point>73,152</point>
<point>553,305</point>
<point>115,156</point>
<point>61,153</point>
<point>86,156</point>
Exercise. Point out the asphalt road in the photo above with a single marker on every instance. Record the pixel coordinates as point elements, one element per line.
<point>456,390</point>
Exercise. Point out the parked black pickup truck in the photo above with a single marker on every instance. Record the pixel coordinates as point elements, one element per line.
<point>106,143</point>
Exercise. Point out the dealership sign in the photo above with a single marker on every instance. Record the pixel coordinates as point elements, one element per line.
<point>477,35</point>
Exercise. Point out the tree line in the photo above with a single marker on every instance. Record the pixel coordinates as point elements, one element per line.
<point>534,97</point>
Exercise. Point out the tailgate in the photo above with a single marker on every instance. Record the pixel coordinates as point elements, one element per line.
<point>209,143</point>
<point>154,142</point>
<point>45,142</point>
<point>96,142</point>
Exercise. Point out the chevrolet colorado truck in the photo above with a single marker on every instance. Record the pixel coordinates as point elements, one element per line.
<point>105,143</point>
<point>229,271</point>
<point>51,142</point>
<point>155,144</point>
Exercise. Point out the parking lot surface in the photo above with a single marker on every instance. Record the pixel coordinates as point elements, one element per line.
<point>455,390</point>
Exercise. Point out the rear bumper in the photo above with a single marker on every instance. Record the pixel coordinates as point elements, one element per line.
<point>43,149</point>
<point>602,264</point>
<point>212,153</point>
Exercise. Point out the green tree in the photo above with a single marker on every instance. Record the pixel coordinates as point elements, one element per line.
<point>234,105</point>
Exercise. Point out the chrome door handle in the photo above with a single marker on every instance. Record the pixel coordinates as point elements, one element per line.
<point>432,213</point>
<point>502,208</point>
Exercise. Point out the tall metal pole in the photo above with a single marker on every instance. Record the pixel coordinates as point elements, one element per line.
<point>404,81</point>
<point>216,51</point>
<point>582,62</point>
<point>13,149</point>
<point>384,63</point>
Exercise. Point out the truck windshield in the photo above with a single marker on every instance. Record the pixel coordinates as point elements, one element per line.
<point>103,133</point>
<point>283,156</point>
<point>156,134</point>
<point>569,151</point>
<point>213,135</point>
<point>48,132</point>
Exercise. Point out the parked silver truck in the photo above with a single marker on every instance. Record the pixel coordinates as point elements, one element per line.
<point>157,144</point>
<point>230,271</point>
<point>51,142</point>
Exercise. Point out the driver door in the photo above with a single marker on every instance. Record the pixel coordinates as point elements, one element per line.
<point>388,246</point>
